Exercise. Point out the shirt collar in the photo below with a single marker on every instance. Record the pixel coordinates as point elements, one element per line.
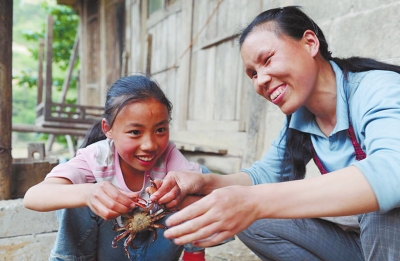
<point>304,121</point>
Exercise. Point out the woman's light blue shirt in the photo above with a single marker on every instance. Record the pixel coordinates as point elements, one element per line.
<point>371,102</point>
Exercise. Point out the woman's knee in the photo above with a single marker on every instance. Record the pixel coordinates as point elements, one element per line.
<point>380,235</point>
<point>263,237</point>
<point>300,239</point>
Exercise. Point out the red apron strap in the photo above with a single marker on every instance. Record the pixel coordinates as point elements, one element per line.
<point>359,153</point>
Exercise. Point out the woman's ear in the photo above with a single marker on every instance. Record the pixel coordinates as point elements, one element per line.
<point>312,42</point>
<point>106,128</point>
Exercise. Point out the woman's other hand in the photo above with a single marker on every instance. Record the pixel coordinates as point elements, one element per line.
<point>214,218</point>
<point>175,186</point>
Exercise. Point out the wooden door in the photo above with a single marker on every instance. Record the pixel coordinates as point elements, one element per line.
<point>102,37</point>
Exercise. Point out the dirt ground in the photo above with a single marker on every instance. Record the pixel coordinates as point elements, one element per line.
<point>231,251</point>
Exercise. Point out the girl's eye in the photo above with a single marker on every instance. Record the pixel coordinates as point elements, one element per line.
<point>253,74</point>
<point>161,130</point>
<point>135,132</point>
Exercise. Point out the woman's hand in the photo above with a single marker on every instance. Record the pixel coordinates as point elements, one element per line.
<point>175,186</point>
<point>108,201</point>
<point>214,218</point>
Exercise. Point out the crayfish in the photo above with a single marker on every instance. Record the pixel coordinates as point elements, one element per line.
<point>140,219</point>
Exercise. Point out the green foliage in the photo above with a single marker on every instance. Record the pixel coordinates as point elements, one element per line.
<point>26,17</point>
<point>26,79</point>
<point>29,25</point>
<point>65,29</point>
<point>64,33</point>
<point>20,113</point>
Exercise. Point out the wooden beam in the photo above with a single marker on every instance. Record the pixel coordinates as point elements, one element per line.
<point>40,129</point>
<point>6,17</point>
<point>40,72</point>
<point>199,148</point>
<point>184,64</point>
<point>71,3</point>
<point>71,64</point>
<point>49,67</point>
<point>149,53</point>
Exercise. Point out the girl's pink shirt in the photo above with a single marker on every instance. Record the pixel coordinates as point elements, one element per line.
<point>99,162</point>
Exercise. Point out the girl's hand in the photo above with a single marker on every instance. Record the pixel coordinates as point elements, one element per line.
<point>175,186</point>
<point>214,218</point>
<point>108,202</point>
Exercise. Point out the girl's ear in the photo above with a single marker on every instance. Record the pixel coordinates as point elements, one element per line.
<point>106,128</point>
<point>312,42</point>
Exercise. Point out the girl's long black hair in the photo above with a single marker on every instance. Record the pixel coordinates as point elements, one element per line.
<point>291,21</point>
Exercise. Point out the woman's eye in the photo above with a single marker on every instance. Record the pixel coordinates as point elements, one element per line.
<point>253,74</point>
<point>267,60</point>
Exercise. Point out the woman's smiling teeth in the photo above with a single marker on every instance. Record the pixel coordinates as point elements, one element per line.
<point>145,158</point>
<point>276,93</point>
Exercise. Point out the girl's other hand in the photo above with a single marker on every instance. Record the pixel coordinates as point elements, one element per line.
<point>108,201</point>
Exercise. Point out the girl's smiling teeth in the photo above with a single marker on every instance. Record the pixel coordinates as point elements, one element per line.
<point>276,93</point>
<point>145,158</point>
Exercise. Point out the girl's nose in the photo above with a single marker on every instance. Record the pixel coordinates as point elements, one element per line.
<point>148,143</point>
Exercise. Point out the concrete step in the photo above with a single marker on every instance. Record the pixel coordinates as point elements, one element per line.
<point>27,248</point>
<point>25,234</point>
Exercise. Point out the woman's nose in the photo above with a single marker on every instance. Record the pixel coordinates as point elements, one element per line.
<point>262,83</point>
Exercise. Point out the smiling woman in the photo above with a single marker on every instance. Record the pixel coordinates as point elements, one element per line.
<point>343,113</point>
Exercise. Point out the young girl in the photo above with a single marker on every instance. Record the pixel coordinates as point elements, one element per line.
<point>113,166</point>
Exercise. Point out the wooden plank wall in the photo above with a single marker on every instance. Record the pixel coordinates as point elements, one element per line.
<point>114,32</point>
<point>135,37</point>
<point>218,95</point>
<point>166,46</point>
<point>90,48</point>
<point>215,67</point>
<point>102,33</point>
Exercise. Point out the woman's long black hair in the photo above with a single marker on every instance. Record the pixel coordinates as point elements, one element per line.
<point>125,91</point>
<point>291,21</point>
